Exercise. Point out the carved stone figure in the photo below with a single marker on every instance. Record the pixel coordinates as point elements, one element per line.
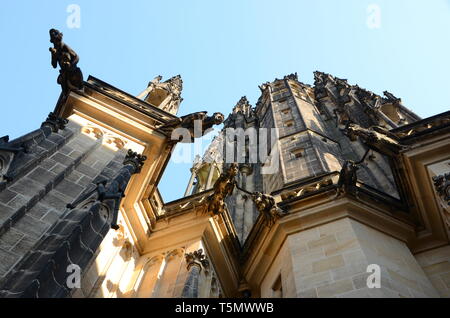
<point>390,98</point>
<point>223,187</point>
<point>377,137</point>
<point>70,76</point>
<point>196,124</point>
<point>156,80</point>
<point>267,207</point>
<point>347,176</point>
<point>54,122</point>
<point>442,186</point>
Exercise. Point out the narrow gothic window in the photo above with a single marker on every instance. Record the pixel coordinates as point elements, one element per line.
<point>298,152</point>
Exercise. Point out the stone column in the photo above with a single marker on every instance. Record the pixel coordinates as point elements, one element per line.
<point>196,261</point>
<point>191,182</point>
<point>210,175</point>
<point>166,101</point>
<point>146,91</point>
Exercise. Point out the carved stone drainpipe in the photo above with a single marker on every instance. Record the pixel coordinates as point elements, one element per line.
<point>73,240</point>
<point>196,261</point>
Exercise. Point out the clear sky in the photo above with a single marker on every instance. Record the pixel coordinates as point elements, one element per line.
<point>224,50</point>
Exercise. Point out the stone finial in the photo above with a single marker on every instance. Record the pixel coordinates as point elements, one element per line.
<point>196,258</point>
<point>292,76</point>
<point>175,84</point>
<point>54,122</point>
<point>243,106</point>
<point>135,159</point>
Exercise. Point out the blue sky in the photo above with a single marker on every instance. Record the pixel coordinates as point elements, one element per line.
<point>224,50</point>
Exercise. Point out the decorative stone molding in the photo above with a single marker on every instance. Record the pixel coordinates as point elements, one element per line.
<point>309,188</point>
<point>175,252</point>
<point>197,258</point>
<point>93,132</point>
<point>110,138</point>
<point>115,142</point>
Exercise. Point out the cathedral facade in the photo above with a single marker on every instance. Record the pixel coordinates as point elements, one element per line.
<point>323,190</point>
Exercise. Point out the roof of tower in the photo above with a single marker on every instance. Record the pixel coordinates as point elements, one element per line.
<point>321,78</point>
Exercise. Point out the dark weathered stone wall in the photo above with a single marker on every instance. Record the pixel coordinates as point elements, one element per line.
<point>68,162</point>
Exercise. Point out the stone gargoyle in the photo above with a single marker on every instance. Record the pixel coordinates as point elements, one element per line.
<point>267,206</point>
<point>223,187</point>
<point>196,125</point>
<point>375,137</point>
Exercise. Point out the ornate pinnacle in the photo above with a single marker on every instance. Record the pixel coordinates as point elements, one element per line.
<point>55,122</point>
<point>134,159</point>
<point>196,258</point>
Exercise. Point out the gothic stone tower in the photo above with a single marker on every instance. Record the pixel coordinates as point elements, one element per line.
<point>345,166</point>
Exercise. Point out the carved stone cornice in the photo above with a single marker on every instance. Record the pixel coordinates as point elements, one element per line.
<point>428,126</point>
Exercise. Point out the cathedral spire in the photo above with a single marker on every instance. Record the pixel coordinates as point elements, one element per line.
<point>165,95</point>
